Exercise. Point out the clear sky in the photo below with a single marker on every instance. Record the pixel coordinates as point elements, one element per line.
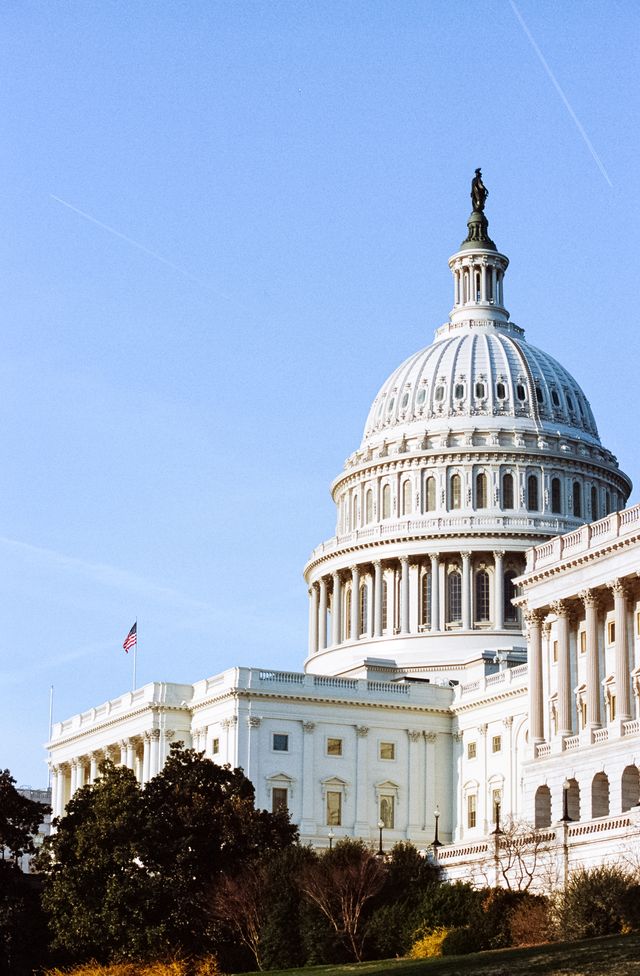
<point>223,224</point>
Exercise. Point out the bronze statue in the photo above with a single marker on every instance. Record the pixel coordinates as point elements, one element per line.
<point>479,193</point>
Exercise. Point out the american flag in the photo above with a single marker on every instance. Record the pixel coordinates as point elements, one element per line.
<point>132,638</point>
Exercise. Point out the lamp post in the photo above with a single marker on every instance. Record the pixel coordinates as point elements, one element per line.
<point>496,808</point>
<point>330,835</point>
<point>565,801</point>
<point>436,840</point>
<point>380,852</point>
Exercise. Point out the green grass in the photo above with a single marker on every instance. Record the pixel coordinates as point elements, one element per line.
<point>616,955</point>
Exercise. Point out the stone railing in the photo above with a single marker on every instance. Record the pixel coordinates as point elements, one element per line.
<point>631,728</point>
<point>543,750</point>
<point>509,676</point>
<point>319,685</point>
<point>571,742</point>
<point>600,735</point>
<point>616,525</point>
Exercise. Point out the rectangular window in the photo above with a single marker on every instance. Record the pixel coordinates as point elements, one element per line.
<point>334,747</point>
<point>472,750</point>
<point>280,742</point>
<point>387,750</point>
<point>387,811</point>
<point>496,743</point>
<point>471,810</point>
<point>612,708</point>
<point>334,808</point>
<point>215,747</point>
<point>583,641</point>
<point>555,650</point>
<point>279,799</point>
<point>611,631</point>
<point>583,714</point>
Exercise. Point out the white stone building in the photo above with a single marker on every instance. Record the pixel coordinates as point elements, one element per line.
<point>416,697</point>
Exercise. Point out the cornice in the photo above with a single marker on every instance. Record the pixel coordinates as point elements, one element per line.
<point>580,559</point>
<point>257,695</point>
<point>491,699</point>
<point>155,708</point>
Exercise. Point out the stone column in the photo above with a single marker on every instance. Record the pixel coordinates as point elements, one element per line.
<point>94,759</point>
<point>336,601</point>
<point>369,620</point>
<point>415,819</point>
<point>623,697</point>
<point>362,825</point>
<point>322,616</point>
<point>404,595</point>
<point>493,285</point>
<point>146,757</point>
<point>435,592</point>
<point>154,765</point>
<point>80,773</point>
<point>534,620</point>
<point>355,602</point>
<point>561,609</point>
<point>466,590</point>
<point>430,767</point>
<point>130,754</point>
<point>498,589</point>
<point>594,719</point>
<point>313,620</point>
<point>377,598</point>
<point>60,791</point>
<point>414,597</point>
<point>123,752</point>
<point>308,823</point>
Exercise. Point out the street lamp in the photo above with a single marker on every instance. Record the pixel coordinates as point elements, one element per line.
<point>436,840</point>
<point>380,852</point>
<point>496,808</point>
<point>330,835</point>
<point>565,801</point>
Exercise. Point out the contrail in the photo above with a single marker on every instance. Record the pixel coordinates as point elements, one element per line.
<point>562,95</point>
<point>145,250</point>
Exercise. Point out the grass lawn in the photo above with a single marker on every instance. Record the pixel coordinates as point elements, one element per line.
<point>616,955</point>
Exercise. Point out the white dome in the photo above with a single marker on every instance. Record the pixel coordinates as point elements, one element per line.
<point>483,375</point>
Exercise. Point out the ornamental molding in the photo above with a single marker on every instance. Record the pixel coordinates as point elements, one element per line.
<point>308,727</point>
<point>362,731</point>
<point>414,735</point>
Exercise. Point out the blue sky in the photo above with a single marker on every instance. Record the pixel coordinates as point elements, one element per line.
<point>269,193</point>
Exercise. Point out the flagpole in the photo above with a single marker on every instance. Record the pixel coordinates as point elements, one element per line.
<point>50,728</point>
<point>135,657</point>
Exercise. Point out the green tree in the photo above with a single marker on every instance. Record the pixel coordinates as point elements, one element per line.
<point>98,896</point>
<point>22,928</point>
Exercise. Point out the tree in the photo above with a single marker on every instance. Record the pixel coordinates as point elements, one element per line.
<point>20,818</point>
<point>98,895</point>
<point>341,883</point>
<point>22,928</point>
<point>522,854</point>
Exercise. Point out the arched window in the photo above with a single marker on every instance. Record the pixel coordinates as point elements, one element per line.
<point>454,597</point>
<point>369,506</point>
<point>577,499</point>
<point>355,512</point>
<point>347,614</point>
<point>385,603</point>
<point>543,807</point>
<point>482,596</point>
<point>386,502</point>
<point>533,498</point>
<point>406,497</point>
<point>481,490</point>
<point>430,495</point>
<point>510,613</point>
<point>573,799</point>
<point>594,503</point>
<point>556,496</point>
<point>425,600</point>
<point>507,491</point>
<point>600,796</point>
<point>363,608</point>
<point>630,787</point>
<point>455,500</point>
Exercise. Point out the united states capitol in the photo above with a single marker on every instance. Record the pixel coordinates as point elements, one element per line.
<point>474,623</point>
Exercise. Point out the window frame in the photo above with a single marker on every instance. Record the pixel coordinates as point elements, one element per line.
<point>382,745</point>
<point>279,736</point>
<point>338,742</point>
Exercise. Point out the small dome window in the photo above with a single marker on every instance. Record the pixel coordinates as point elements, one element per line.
<point>521,393</point>
<point>555,398</point>
<point>459,391</point>
<point>539,394</point>
<point>480,390</point>
<point>392,403</point>
<point>439,394</point>
<point>501,391</point>
<point>570,403</point>
<point>405,400</point>
<point>421,395</point>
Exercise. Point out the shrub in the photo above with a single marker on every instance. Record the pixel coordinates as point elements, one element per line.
<point>529,921</point>
<point>391,930</point>
<point>598,901</point>
<point>462,940</point>
<point>453,905</point>
<point>429,945</point>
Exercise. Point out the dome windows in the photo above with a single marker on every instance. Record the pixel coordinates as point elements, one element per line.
<point>459,391</point>
<point>369,506</point>
<point>439,394</point>
<point>455,491</point>
<point>392,403</point>
<point>521,392</point>
<point>481,490</point>
<point>533,493</point>
<point>555,398</point>
<point>501,391</point>
<point>481,390</point>
<point>386,502</point>
<point>482,596</point>
<point>406,497</point>
<point>421,395</point>
<point>430,494</point>
<point>539,394</point>
<point>454,598</point>
<point>507,491</point>
<point>405,400</point>
<point>577,499</point>
<point>594,503</point>
<point>556,496</point>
